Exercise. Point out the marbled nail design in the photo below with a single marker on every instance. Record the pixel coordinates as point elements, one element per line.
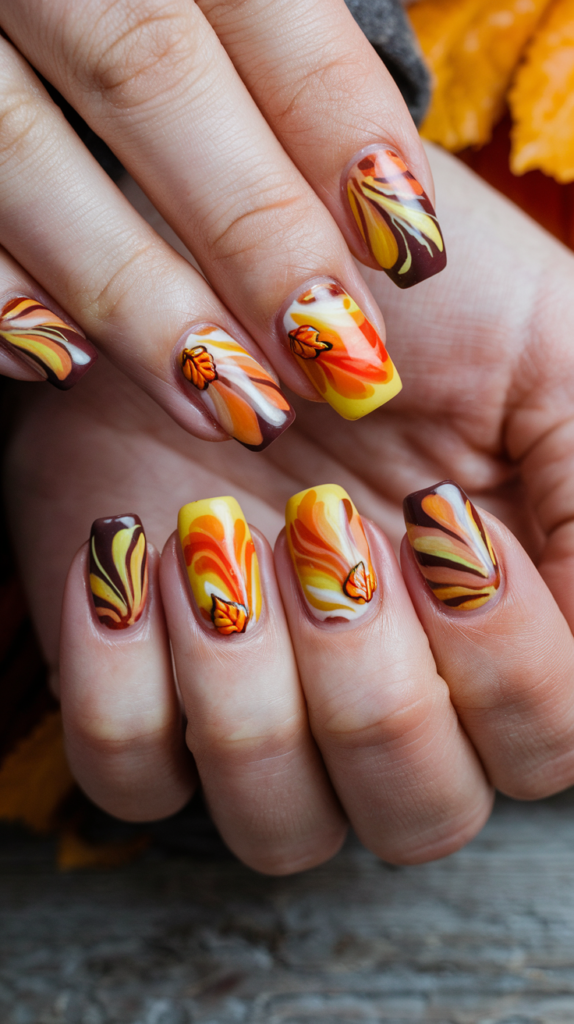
<point>396,218</point>
<point>221,563</point>
<point>239,393</point>
<point>118,570</point>
<point>451,546</point>
<point>30,330</point>
<point>330,553</point>
<point>340,350</point>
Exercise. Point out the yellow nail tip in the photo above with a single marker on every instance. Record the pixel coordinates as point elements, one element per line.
<point>340,351</point>
<point>330,552</point>
<point>221,563</point>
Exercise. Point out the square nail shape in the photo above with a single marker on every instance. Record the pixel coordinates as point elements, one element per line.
<point>118,570</point>
<point>330,553</point>
<point>395,217</point>
<point>451,545</point>
<point>221,562</point>
<point>238,392</point>
<point>47,344</point>
<point>340,350</point>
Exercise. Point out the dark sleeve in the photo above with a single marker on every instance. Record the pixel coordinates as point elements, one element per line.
<point>387,27</point>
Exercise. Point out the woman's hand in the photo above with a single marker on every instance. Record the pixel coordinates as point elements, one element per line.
<point>271,138</point>
<point>419,704</point>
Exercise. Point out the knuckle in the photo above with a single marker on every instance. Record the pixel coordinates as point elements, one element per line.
<point>19,121</point>
<point>137,51</point>
<point>324,87</point>
<point>141,260</point>
<point>111,737</point>
<point>275,223</point>
<point>249,742</point>
<point>358,725</point>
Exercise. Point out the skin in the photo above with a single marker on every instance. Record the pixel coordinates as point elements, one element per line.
<point>416,711</point>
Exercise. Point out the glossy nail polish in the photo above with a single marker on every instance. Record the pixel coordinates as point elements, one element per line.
<point>330,553</point>
<point>221,564</point>
<point>395,217</point>
<point>451,546</point>
<point>240,395</point>
<point>30,330</point>
<point>118,570</point>
<point>340,350</point>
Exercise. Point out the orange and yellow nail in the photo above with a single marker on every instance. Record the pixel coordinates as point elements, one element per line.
<point>330,553</point>
<point>221,562</point>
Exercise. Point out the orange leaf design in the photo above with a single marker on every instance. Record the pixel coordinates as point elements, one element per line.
<point>472,48</point>
<point>542,99</point>
<point>228,617</point>
<point>358,584</point>
<point>198,366</point>
<point>305,342</point>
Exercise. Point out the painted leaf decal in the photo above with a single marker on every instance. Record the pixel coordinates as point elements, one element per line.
<point>198,366</point>
<point>228,617</point>
<point>305,343</point>
<point>358,584</point>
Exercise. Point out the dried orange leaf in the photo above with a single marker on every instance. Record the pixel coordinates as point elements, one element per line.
<point>35,778</point>
<point>472,48</point>
<point>542,99</point>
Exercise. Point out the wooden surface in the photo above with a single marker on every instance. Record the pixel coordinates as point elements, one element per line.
<point>486,936</point>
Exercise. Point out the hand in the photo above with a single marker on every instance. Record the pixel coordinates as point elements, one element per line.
<point>487,402</point>
<point>243,125</point>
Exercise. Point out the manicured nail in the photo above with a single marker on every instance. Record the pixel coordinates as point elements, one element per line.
<point>234,387</point>
<point>451,546</point>
<point>30,330</point>
<point>221,563</point>
<point>118,570</point>
<point>330,553</point>
<point>340,350</point>
<point>395,217</point>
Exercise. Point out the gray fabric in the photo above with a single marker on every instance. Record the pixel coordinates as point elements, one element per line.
<point>386,25</point>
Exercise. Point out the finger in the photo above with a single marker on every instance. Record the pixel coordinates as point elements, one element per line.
<point>37,339</point>
<point>310,68</point>
<point>498,638</point>
<point>156,83</point>
<point>122,720</point>
<point>132,294</point>
<point>400,763</point>
<point>247,722</point>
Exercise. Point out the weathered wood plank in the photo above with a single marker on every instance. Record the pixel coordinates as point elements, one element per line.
<point>485,937</point>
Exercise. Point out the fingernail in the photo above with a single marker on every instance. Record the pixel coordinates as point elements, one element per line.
<point>118,570</point>
<point>221,564</point>
<point>234,387</point>
<point>30,330</point>
<point>395,217</point>
<point>340,350</point>
<point>451,546</point>
<point>330,553</point>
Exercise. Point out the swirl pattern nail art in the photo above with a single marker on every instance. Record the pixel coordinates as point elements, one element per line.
<point>39,337</point>
<point>221,563</point>
<point>240,395</point>
<point>340,350</point>
<point>396,218</point>
<point>118,570</point>
<point>451,545</point>
<point>330,553</point>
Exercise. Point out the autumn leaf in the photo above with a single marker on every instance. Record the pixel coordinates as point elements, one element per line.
<point>472,48</point>
<point>542,99</point>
